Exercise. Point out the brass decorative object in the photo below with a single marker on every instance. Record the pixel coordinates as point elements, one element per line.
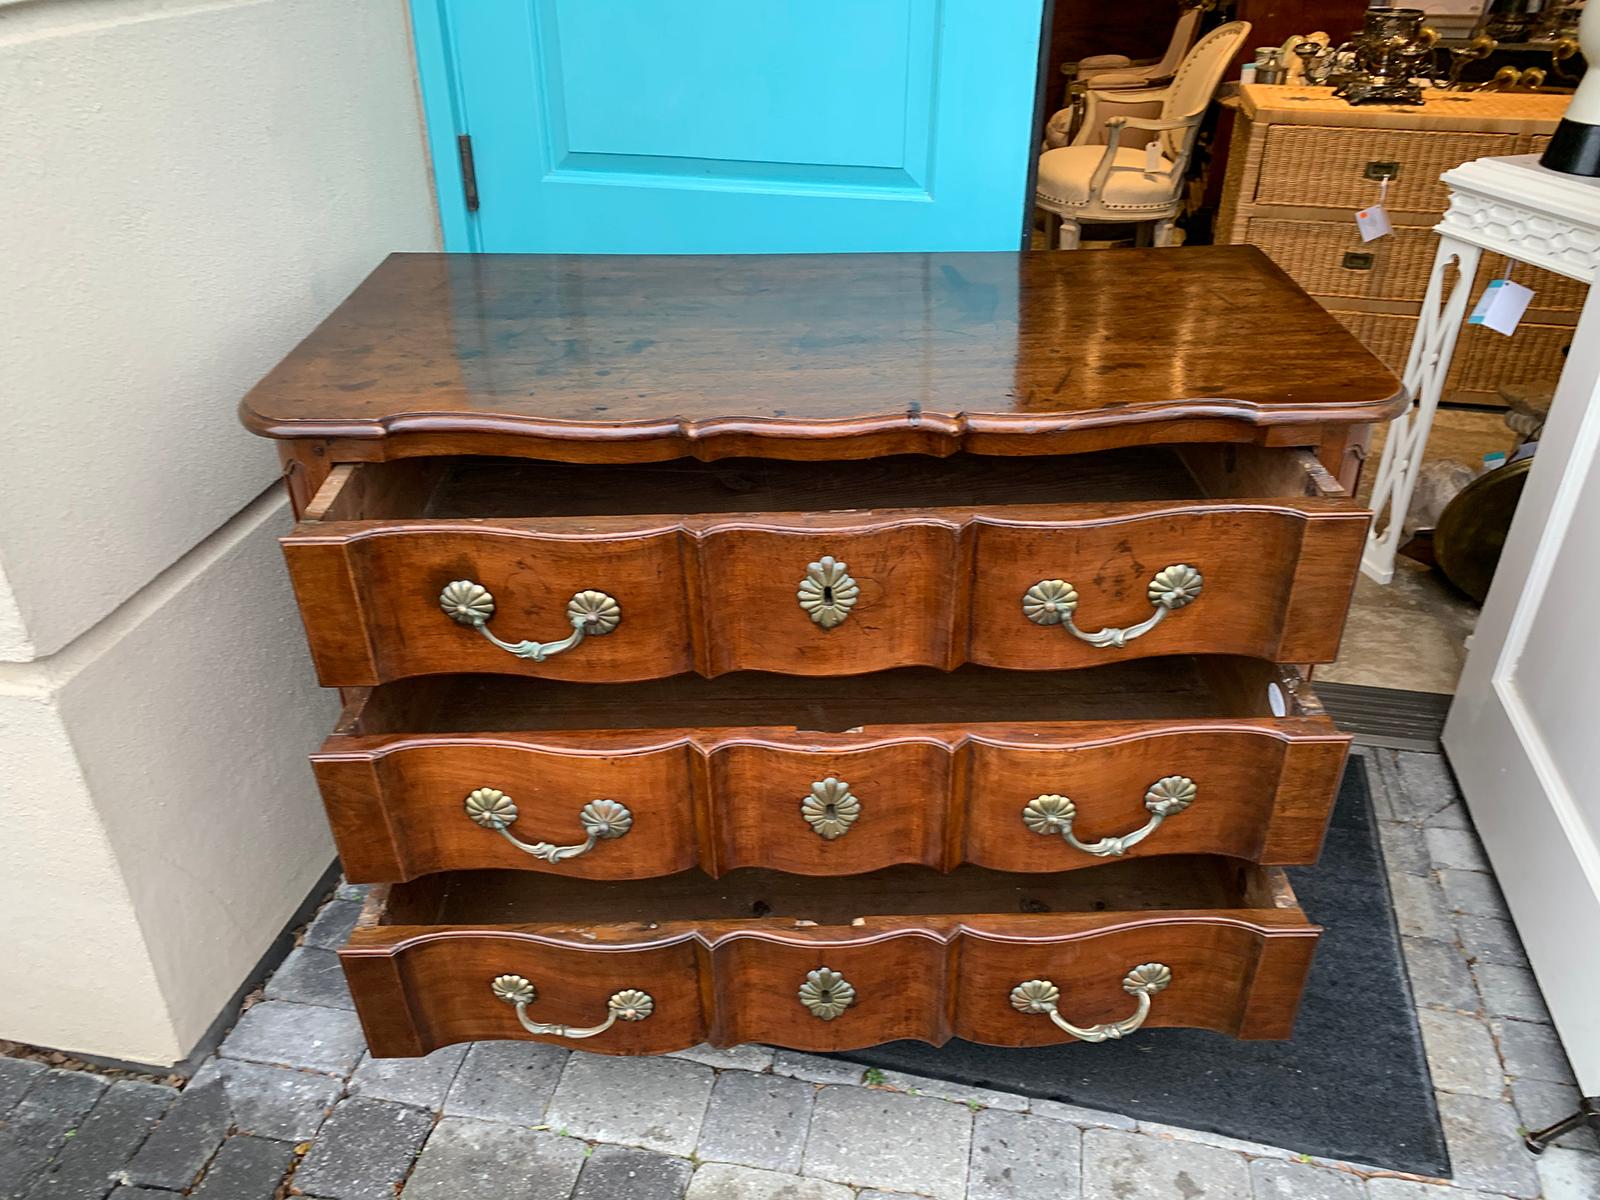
<point>601,821</point>
<point>827,593</point>
<point>1053,815</point>
<point>1054,601</point>
<point>590,613</point>
<point>826,993</point>
<point>1143,981</point>
<point>1393,48</point>
<point>629,1004</point>
<point>831,808</point>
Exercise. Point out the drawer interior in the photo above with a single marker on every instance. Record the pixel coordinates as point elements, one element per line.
<point>488,488</point>
<point>524,897</point>
<point>1174,688</point>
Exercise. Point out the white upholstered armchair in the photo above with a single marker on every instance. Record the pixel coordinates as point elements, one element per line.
<point>1128,161</point>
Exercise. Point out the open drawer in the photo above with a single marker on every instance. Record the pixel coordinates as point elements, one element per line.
<point>644,968</point>
<point>1018,771</point>
<point>599,573</point>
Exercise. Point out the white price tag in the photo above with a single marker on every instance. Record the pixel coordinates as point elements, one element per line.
<point>1153,162</point>
<point>1501,306</point>
<point>1373,222</point>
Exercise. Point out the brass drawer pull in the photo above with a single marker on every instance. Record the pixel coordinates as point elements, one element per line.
<point>592,614</point>
<point>627,1005</point>
<point>1355,260</point>
<point>1144,981</point>
<point>1381,170</point>
<point>831,808</point>
<point>1052,814</point>
<point>827,593</point>
<point>826,993</point>
<point>601,820</point>
<point>1053,602</point>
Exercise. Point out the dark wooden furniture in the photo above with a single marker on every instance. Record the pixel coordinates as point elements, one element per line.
<point>886,596</point>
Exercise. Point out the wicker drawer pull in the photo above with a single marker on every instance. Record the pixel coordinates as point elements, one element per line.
<point>591,614</point>
<point>1042,996</point>
<point>1053,815</point>
<point>602,820</point>
<point>629,1004</point>
<point>1053,602</point>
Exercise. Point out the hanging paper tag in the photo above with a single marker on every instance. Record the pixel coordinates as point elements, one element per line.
<point>1154,164</point>
<point>1501,306</point>
<point>1373,222</point>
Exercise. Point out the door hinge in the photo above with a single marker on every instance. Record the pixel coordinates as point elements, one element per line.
<point>469,171</point>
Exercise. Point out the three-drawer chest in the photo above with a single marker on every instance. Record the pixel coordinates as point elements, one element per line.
<point>825,650</point>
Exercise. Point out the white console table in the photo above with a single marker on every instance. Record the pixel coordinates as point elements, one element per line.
<point>1511,206</point>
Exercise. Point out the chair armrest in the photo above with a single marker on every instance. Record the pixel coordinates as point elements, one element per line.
<point>1096,62</point>
<point>1117,80</point>
<point>1155,126</point>
<point>1114,128</point>
<point>1100,107</point>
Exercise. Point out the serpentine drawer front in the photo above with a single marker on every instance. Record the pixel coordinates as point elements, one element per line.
<point>649,967</point>
<point>421,567</point>
<point>1019,771</point>
<point>823,650</point>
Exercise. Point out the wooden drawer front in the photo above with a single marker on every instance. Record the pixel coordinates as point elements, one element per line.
<point>1327,167</point>
<point>777,977</point>
<point>1483,359</point>
<point>933,590</point>
<point>1328,258</point>
<point>935,795</point>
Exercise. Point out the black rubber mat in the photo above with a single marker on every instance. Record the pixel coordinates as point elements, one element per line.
<point>1389,717</point>
<point>1352,1083</point>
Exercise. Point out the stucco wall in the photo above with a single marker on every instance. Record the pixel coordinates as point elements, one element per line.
<point>189,188</point>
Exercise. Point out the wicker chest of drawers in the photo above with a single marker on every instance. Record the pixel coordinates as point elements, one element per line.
<point>1302,162</point>
<point>915,626</point>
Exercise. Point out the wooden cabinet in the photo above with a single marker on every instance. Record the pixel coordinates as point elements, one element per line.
<point>829,650</point>
<point>1302,161</point>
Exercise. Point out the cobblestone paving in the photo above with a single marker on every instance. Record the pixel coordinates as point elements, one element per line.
<point>291,1103</point>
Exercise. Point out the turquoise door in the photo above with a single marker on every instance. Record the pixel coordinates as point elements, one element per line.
<point>728,126</point>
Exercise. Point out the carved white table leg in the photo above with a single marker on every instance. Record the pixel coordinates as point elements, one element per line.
<point>1427,367</point>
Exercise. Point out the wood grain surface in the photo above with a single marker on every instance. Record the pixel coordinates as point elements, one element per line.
<point>628,359</point>
<point>930,956</point>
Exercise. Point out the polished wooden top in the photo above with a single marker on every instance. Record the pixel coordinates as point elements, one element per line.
<point>637,358</point>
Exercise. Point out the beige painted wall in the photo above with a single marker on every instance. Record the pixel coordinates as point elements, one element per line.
<point>190,186</point>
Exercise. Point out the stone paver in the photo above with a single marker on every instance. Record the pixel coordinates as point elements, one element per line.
<point>297,1035</point>
<point>1532,1051</point>
<point>1018,1157</point>
<point>623,1173</point>
<point>1569,1174</point>
<point>506,1081</point>
<point>272,1102</point>
<point>311,976</point>
<point>1510,992</point>
<point>89,1162</point>
<point>16,1077</point>
<point>889,1140</point>
<point>364,1150</point>
<point>757,1121</point>
<point>1055,1110</point>
<point>1472,892</point>
<point>960,1093</point>
<point>1439,976</point>
<point>653,1103</point>
<point>1419,908</point>
<point>1461,1054</point>
<point>183,1143</point>
<point>55,1102</point>
<point>1206,1137</point>
<point>1457,848</point>
<point>466,1159</point>
<point>1486,1150</point>
<point>733,1058</point>
<point>1426,787</point>
<point>1404,851</point>
<point>332,926</point>
<point>1490,940</point>
<point>423,1082</point>
<point>1274,1180</point>
<point>816,1069</point>
<point>1540,1104</point>
<point>1383,1188</point>
<point>246,1168</point>
<point>1122,1166</point>
<point>722,1181</point>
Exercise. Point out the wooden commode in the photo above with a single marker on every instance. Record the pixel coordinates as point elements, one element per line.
<point>825,650</point>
